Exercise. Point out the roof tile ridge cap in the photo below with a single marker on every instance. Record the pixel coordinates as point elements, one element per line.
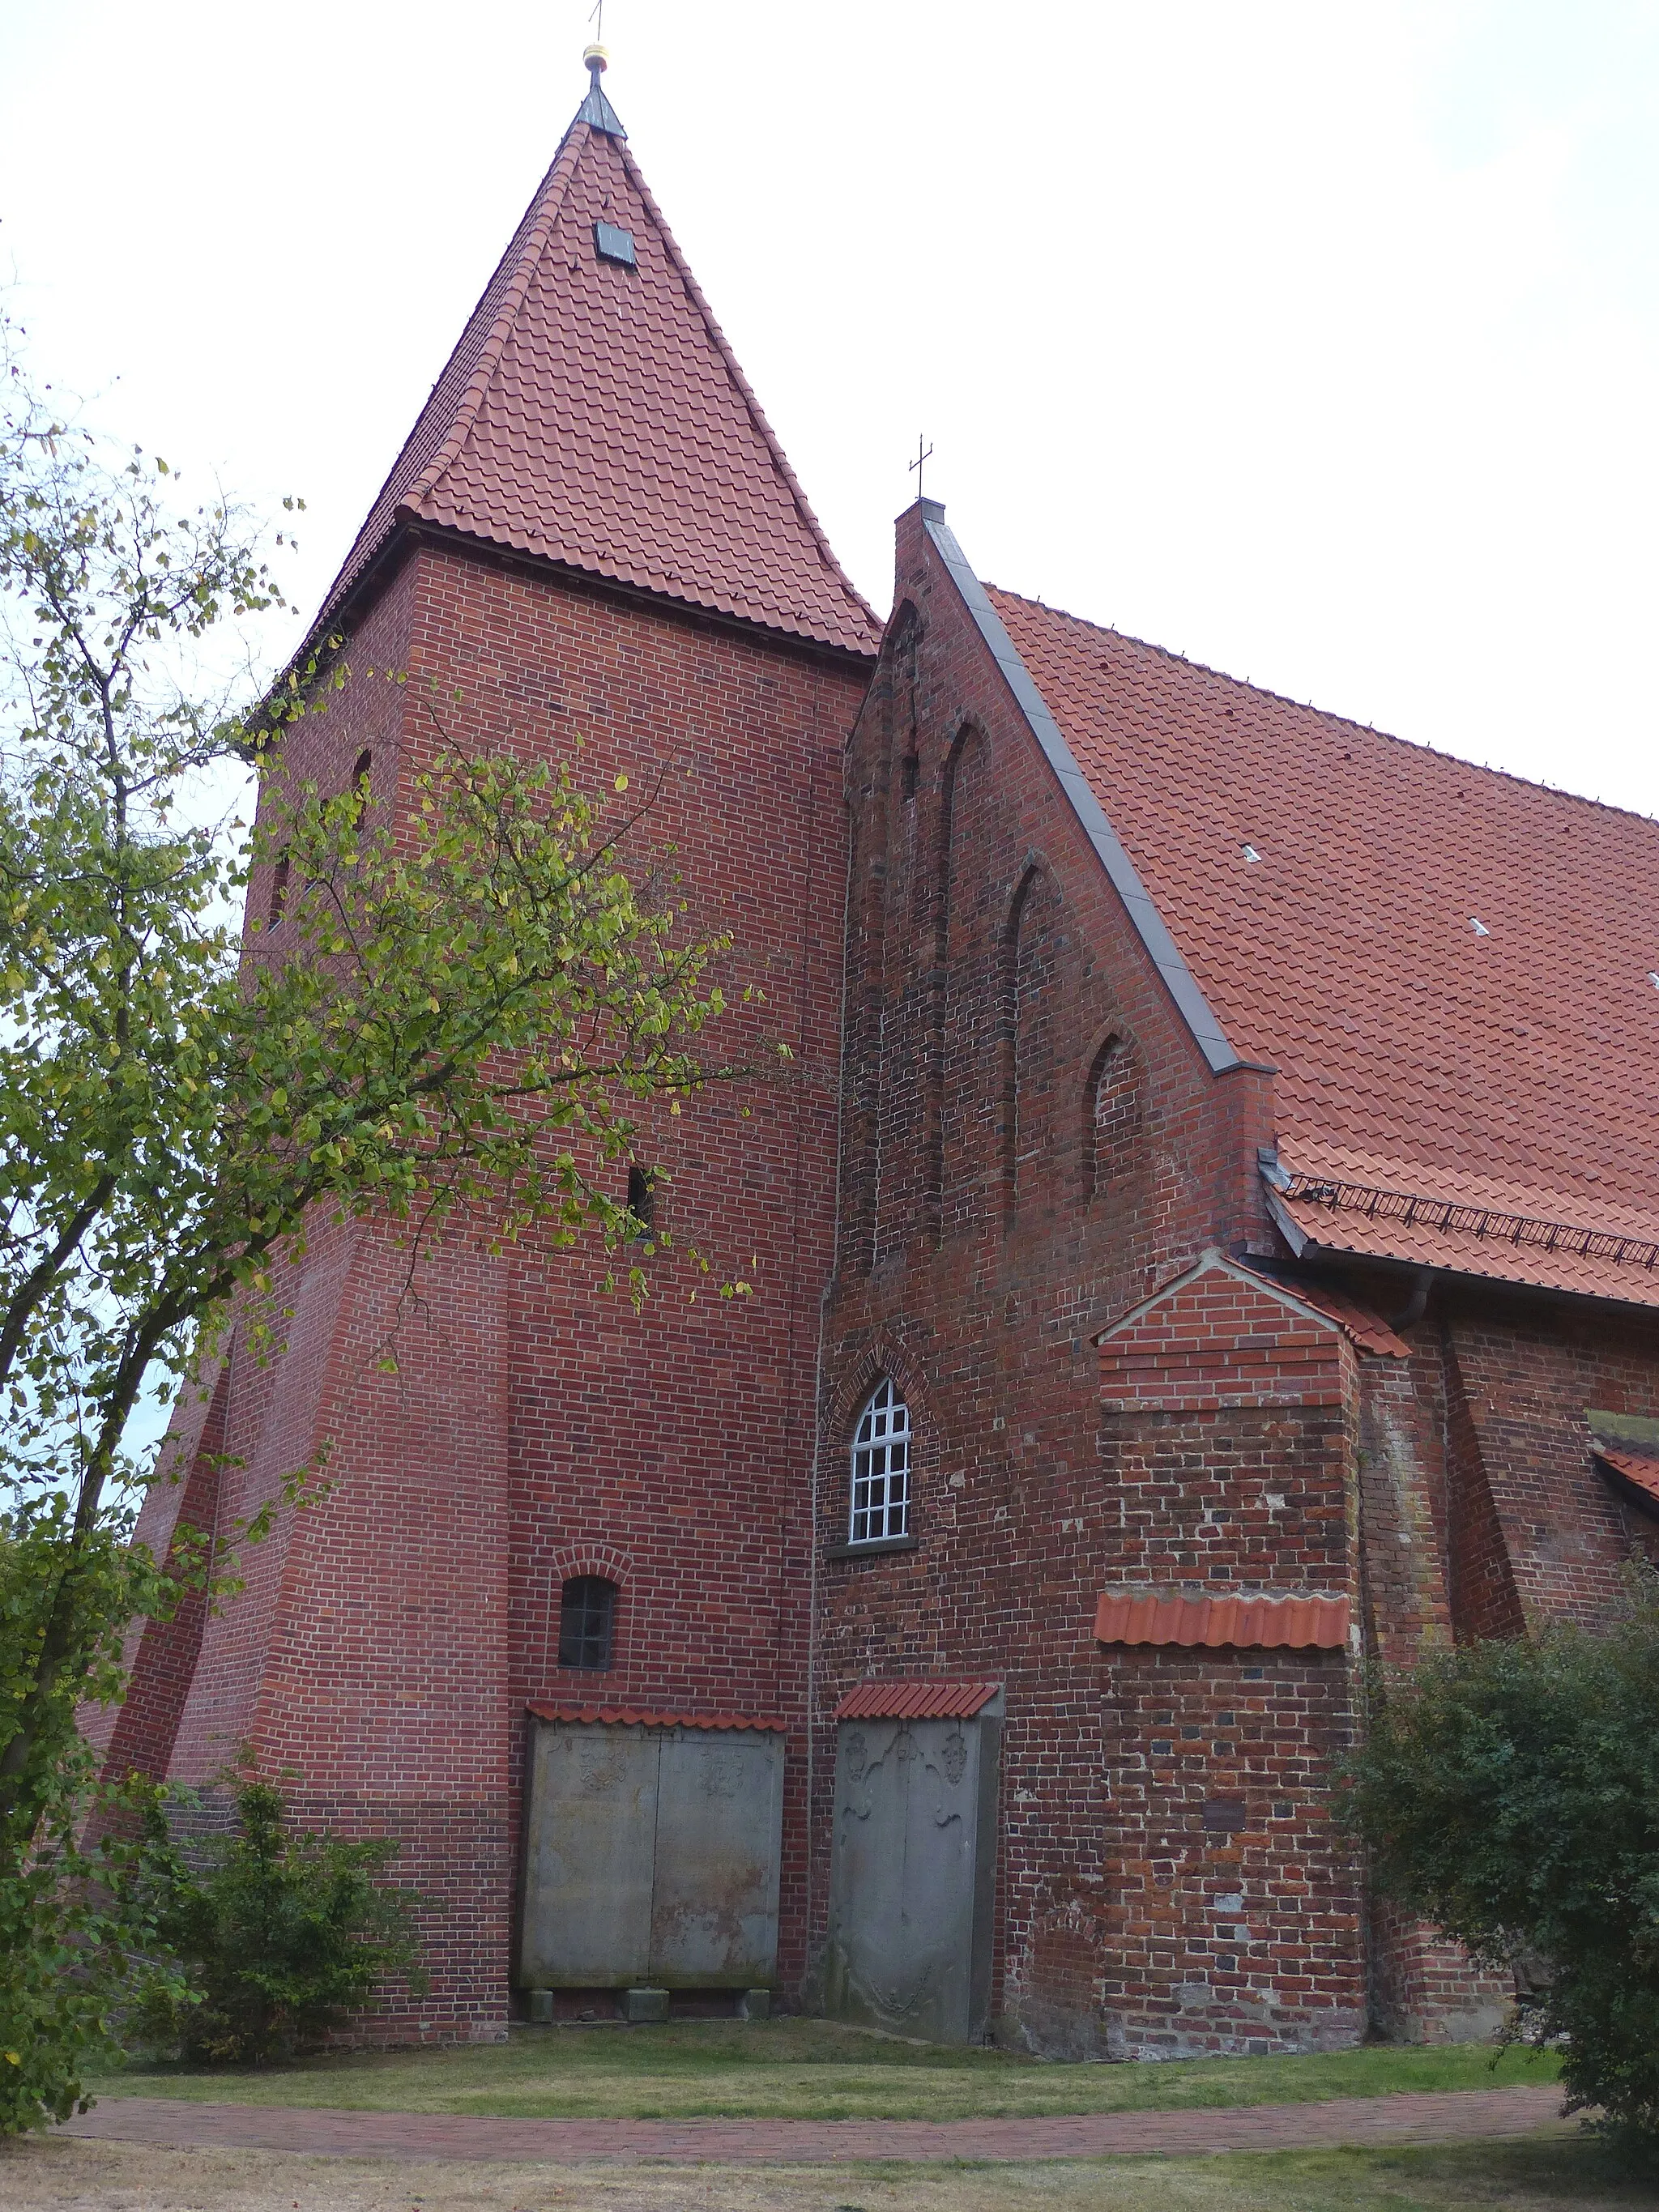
<point>550,200</point>
<point>1412,746</point>
<point>780,458</point>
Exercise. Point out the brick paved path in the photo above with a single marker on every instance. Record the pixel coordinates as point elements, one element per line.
<point>1417,2116</point>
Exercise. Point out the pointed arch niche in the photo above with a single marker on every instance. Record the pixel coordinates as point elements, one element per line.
<point>1030,945</point>
<point>953,1015</point>
<point>1112,1115</point>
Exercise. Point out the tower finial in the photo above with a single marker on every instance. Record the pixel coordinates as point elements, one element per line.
<point>595,110</point>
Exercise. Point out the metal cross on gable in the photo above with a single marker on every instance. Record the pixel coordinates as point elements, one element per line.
<point>924,453</point>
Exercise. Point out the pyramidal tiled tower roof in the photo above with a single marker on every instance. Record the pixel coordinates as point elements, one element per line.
<point>593,415</point>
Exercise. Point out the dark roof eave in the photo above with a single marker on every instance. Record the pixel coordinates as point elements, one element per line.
<point>409,532</point>
<point>1330,1257</point>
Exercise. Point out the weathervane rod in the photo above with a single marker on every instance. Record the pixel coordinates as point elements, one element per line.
<point>922,456</point>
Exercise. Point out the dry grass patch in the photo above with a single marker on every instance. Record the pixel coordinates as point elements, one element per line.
<point>1550,2174</point>
<point>806,2069</point>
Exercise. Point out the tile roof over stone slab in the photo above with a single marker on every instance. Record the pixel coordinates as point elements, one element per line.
<point>1636,1473</point>
<point>1289,1623</point>
<point>915,1701</point>
<point>596,1716</point>
<point>1345,955</point>
<point>1627,1447</point>
<point>1366,1328</point>
<point>592,415</point>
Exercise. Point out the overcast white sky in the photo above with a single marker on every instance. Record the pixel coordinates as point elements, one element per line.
<point>1316,341</point>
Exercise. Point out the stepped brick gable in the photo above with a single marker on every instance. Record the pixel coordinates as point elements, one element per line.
<point>1207,1239</point>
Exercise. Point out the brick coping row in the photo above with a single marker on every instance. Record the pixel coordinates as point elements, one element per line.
<point>1412,2117</point>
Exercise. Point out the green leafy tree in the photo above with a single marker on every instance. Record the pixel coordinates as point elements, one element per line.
<point>278,1936</point>
<point>460,1015</point>
<point>1509,1794</point>
<point>76,1912</point>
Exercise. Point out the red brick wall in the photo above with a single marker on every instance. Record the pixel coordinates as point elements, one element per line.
<point>390,1637</point>
<point>1029,1144</point>
<point>1555,1535</point>
<point>996,1212</point>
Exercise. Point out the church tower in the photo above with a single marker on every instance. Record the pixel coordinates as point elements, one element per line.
<point>590,536</point>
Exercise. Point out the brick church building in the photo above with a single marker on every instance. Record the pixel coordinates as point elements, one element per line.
<point>1208,1236</point>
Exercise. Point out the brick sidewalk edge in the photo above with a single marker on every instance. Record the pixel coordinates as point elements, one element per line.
<point>1413,2117</point>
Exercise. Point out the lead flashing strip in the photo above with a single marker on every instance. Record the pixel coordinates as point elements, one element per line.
<point>1178,979</point>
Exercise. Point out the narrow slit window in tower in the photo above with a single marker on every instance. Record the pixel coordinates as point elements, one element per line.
<point>642,1202</point>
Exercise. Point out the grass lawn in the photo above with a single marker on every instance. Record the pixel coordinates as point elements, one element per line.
<point>803,2070</point>
<point>1537,2174</point>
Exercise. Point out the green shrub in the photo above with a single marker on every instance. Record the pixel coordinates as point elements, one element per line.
<point>278,1936</point>
<point>1509,1793</point>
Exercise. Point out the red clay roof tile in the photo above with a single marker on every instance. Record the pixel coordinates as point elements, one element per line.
<point>1369,1331</point>
<point>915,1701</point>
<point>650,1716</point>
<point>1295,1623</point>
<point>1408,1045</point>
<point>593,414</point>
<point>1638,1469</point>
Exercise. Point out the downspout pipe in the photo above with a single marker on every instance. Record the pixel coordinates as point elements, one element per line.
<point>1411,1312</point>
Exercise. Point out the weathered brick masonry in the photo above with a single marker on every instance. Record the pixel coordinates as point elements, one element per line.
<point>1236,1222</point>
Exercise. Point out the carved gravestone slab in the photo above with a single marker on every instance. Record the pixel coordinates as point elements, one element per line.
<point>912,1874</point>
<point>651,1856</point>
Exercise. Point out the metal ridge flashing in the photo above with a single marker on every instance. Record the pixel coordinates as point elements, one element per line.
<point>1178,979</point>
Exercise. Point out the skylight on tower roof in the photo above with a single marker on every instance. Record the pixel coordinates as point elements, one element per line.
<point>612,243</point>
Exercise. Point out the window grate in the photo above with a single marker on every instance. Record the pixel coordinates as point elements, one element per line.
<point>587,1617</point>
<point>881,1469</point>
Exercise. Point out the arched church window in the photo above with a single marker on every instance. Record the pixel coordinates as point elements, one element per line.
<point>587,1622</point>
<point>881,1468</point>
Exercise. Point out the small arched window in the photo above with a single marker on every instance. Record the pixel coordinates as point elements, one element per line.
<point>881,1468</point>
<point>587,1622</point>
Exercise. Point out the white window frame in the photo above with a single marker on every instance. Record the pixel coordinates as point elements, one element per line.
<point>879,1509</point>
